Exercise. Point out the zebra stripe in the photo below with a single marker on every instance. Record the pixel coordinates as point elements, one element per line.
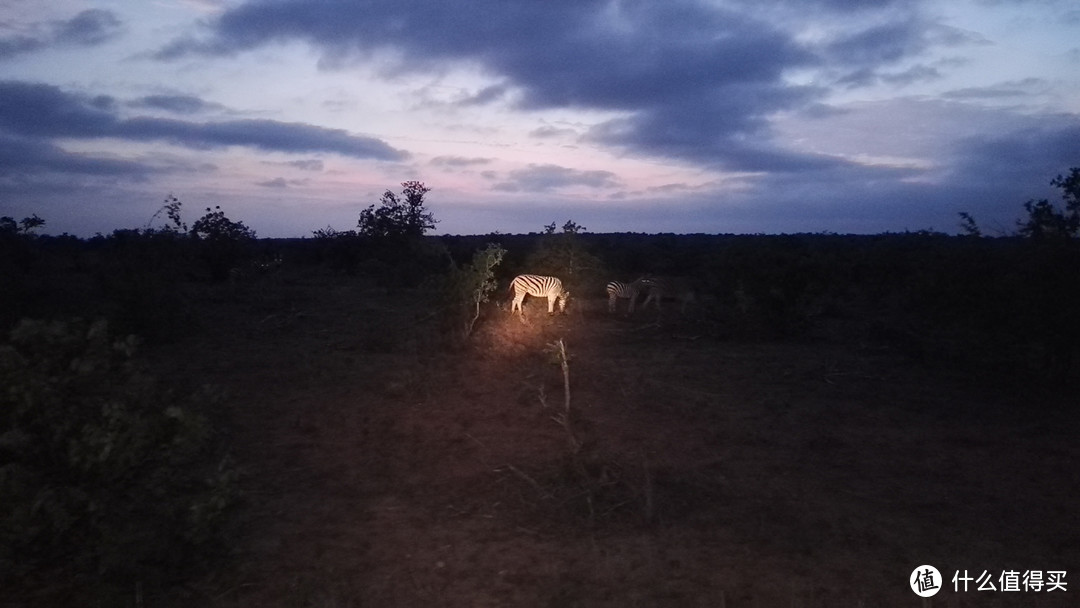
<point>659,288</point>
<point>617,290</point>
<point>538,287</point>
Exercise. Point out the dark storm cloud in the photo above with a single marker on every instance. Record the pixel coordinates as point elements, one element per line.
<point>88,28</point>
<point>544,178</point>
<point>38,110</point>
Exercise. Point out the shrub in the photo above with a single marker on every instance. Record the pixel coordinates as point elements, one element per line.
<point>566,256</point>
<point>105,474</point>
<point>465,289</point>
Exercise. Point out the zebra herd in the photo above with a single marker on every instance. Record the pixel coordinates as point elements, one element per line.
<point>655,289</point>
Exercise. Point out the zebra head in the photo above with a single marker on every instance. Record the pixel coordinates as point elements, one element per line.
<point>564,295</point>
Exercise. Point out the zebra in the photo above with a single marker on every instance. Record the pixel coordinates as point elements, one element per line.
<point>658,288</point>
<point>618,289</point>
<point>538,287</point>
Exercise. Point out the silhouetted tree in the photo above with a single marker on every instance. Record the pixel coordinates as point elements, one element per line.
<point>223,243</point>
<point>395,216</point>
<point>215,226</point>
<point>24,227</point>
<point>1045,220</point>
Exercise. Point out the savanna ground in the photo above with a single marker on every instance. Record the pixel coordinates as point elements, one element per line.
<point>384,469</point>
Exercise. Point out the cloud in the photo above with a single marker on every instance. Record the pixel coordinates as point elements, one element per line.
<point>281,183</point>
<point>548,131</point>
<point>40,110</point>
<point>277,182</point>
<point>1021,88</point>
<point>306,165</point>
<point>729,132</point>
<point>21,156</point>
<point>1046,148</point>
<point>268,135</point>
<point>690,80</point>
<point>881,44</point>
<point>89,28</point>
<point>690,76</point>
<point>544,178</point>
<point>459,161</point>
<point>11,46</point>
<point>177,104</point>
<point>484,96</point>
<point>31,109</point>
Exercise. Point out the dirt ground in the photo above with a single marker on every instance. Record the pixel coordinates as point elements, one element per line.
<point>382,469</point>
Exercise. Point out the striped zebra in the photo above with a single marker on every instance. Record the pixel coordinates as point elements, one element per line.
<point>659,288</point>
<point>538,287</point>
<point>617,290</point>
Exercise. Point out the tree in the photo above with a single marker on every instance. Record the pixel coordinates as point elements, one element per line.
<point>24,227</point>
<point>1046,221</point>
<point>222,243</point>
<point>215,226</point>
<point>171,208</point>
<point>395,216</point>
<point>563,254</point>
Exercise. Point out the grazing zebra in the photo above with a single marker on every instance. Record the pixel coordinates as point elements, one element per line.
<point>659,288</point>
<point>538,287</point>
<point>617,290</point>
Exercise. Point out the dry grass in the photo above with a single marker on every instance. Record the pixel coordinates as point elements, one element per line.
<point>383,472</point>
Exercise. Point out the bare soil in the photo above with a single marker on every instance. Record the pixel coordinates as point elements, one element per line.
<point>384,468</point>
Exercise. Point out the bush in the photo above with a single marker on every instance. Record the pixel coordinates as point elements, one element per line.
<point>566,256</point>
<point>105,474</point>
<point>464,289</point>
